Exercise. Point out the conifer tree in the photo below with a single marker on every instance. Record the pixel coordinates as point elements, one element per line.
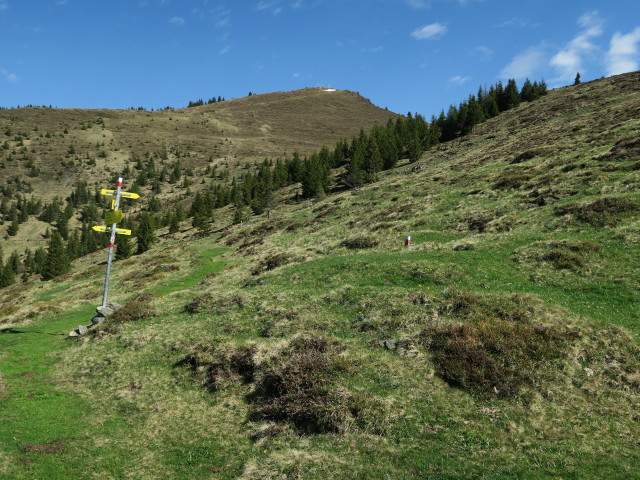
<point>14,261</point>
<point>7,275</point>
<point>577,81</point>
<point>57,261</point>
<point>124,248</point>
<point>39,259</point>
<point>62,225</point>
<point>145,233</point>
<point>174,225</point>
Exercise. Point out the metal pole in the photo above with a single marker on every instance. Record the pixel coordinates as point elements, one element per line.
<point>112,243</point>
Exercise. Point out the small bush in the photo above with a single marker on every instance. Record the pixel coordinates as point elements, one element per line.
<point>563,258</point>
<point>208,303</point>
<point>605,211</point>
<point>511,180</point>
<point>270,263</point>
<point>472,306</point>
<point>140,308</point>
<point>569,255</point>
<point>495,357</point>
<point>359,242</point>
<point>213,366</point>
<point>297,387</point>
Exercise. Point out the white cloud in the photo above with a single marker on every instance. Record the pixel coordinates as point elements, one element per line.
<point>518,22</point>
<point>434,30</point>
<point>3,6</point>
<point>266,4</point>
<point>296,75</point>
<point>459,80</point>
<point>11,77</point>
<point>225,50</point>
<point>568,61</point>
<point>623,55</point>
<point>179,21</point>
<point>485,53</point>
<point>416,3</point>
<point>525,64</point>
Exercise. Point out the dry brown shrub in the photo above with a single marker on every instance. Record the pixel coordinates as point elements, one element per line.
<point>296,387</point>
<point>496,357</point>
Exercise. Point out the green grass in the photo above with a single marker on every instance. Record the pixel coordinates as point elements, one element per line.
<point>49,432</point>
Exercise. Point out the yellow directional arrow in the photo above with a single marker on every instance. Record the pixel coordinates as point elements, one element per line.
<point>103,228</point>
<point>104,191</point>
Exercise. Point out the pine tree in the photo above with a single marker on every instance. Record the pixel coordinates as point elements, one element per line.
<point>7,276</point>
<point>577,81</point>
<point>124,248</point>
<point>174,225</point>
<point>145,234</point>
<point>14,262</point>
<point>63,226</point>
<point>57,261</point>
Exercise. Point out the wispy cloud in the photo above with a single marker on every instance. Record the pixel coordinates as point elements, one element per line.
<point>623,55</point>
<point>178,21</point>
<point>569,59</point>
<point>10,77</point>
<point>3,6</point>
<point>485,53</point>
<point>433,31</point>
<point>266,5</point>
<point>225,50</point>
<point>459,80</point>
<point>525,64</point>
<point>518,22</point>
<point>417,4</point>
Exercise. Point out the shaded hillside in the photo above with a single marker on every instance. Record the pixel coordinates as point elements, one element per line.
<point>502,344</point>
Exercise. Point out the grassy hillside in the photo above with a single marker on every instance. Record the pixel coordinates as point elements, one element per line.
<point>45,151</point>
<point>502,344</point>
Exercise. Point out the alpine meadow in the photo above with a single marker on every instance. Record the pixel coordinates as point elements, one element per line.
<point>318,288</point>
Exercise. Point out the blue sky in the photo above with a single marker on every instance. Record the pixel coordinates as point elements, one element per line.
<point>407,55</point>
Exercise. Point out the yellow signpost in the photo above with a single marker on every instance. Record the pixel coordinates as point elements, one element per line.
<point>112,218</point>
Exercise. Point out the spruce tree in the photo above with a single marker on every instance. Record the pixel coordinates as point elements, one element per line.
<point>145,233</point>
<point>124,248</point>
<point>57,261</point>
<point>7,276</point>
<point>174,225</point>
<point>577,81</point>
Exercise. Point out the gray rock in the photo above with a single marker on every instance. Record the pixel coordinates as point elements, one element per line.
<point>82,330</point>
<point>389,344</point>
<point>105,311</point>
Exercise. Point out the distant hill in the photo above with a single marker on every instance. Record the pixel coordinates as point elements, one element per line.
<point>45,151</point>
<point>65,145</point>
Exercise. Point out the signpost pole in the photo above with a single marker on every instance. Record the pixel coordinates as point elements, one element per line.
<point>112,240</point>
